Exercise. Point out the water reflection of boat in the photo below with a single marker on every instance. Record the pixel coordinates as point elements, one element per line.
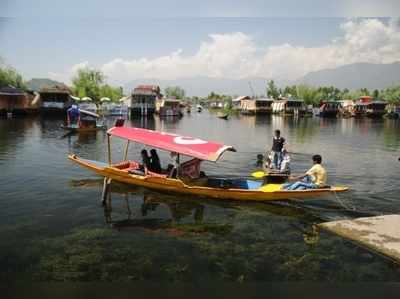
<point>189,178</point>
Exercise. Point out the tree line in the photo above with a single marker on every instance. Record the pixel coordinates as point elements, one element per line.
<point>314,95</point>
<point>90,82</point>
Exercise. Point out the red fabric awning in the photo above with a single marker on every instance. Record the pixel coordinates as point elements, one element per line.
<point>189,146</point>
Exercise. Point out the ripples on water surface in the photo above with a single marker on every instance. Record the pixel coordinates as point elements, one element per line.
<point>53,227</point>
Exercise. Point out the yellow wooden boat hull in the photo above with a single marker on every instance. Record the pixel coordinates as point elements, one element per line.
<point>265,193</point>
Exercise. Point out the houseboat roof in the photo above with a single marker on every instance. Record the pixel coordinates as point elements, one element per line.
<point>147,90</point>
<point>11,91</point>
<point>264,100</point>
<point>189,146</point>
<point>171,100</point>
<point>361,103</point>
<point>59,88</point>
<point>241,98</point>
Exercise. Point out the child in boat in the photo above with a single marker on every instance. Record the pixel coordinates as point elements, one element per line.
<point>278,143</point>
<point>260,160</point>
<point>285,164</point>
<point>314,178</point>
<point>155,165</point>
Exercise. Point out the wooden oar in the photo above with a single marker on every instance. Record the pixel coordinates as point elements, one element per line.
<point>259,174</point>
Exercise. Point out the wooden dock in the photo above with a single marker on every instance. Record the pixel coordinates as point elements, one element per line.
<point>379,233</point>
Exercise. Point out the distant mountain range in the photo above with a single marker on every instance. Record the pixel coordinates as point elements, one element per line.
<point>38,83</point>
<point>352,76</point>
<point>202,86</point>
<point>356,76</point>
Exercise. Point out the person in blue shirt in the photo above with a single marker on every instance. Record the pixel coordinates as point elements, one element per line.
<point>73,115</point>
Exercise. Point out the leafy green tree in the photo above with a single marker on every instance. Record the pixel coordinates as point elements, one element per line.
<point>272,90</point>
<point>175,92</point>
<point>391,94</point>
<point>290,91</point>
<point>87,83</point>
<point>114,93</point>
<point>309,94</point>
<point>10,77</point>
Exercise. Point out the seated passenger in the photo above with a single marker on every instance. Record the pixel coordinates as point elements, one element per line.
<point>314,178</point>
<point>155,165</point>
<point>268,165</point>
<point>172,169</point>
<point>145,161</point>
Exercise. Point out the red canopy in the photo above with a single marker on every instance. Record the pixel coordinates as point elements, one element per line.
<point>189,146</point>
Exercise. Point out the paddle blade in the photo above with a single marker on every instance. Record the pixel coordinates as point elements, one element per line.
<point>258,174</point>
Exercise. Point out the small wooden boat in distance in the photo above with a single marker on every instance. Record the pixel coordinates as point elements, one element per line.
<point>223,115</point>
<point>189,179</point>
<point>88,122</point>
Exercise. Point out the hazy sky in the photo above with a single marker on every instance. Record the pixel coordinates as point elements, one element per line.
<point>173,39</point>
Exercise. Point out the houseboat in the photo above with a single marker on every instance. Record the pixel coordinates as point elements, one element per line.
<point>114,109</point>
<point>236,102</point>
<point>285,106</point>
<point>55,100</point>
<point>16,101</point>
<point>329,109</point>
<point>143,100</point>
<point>168,107</point>
<point>366,106</point>
<point>256,106</point>
<point>87,104</point>
<point>375,109</point>
<point>346,108</point>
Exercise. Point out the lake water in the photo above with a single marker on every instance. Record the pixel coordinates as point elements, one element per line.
<point>54,228</point>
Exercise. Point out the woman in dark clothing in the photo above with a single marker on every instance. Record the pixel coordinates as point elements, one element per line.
<point>155,164</point>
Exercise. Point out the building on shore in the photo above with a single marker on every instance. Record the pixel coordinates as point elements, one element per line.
<point>285,106</point>
<point>55,99</point>
<point>236,102</point>
<point>329,108</point>
<point>143,100</point>
<point>168,107</point>
<point>251,106</point>
<point>16,101</point>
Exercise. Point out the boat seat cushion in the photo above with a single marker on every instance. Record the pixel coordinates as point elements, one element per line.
<point>136,171</point>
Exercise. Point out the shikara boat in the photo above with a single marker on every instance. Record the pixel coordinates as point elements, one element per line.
<point>189,180</point>
<point>223,115</point>
<point>88,122</point>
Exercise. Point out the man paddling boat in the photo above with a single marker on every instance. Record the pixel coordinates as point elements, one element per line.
<point>314,178</point>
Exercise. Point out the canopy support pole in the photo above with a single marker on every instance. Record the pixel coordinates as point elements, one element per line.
<point>126,151</point>
<point>178,160</point>
<point>109,148</point>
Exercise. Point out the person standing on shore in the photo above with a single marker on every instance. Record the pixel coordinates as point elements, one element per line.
<point>278,142</point>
